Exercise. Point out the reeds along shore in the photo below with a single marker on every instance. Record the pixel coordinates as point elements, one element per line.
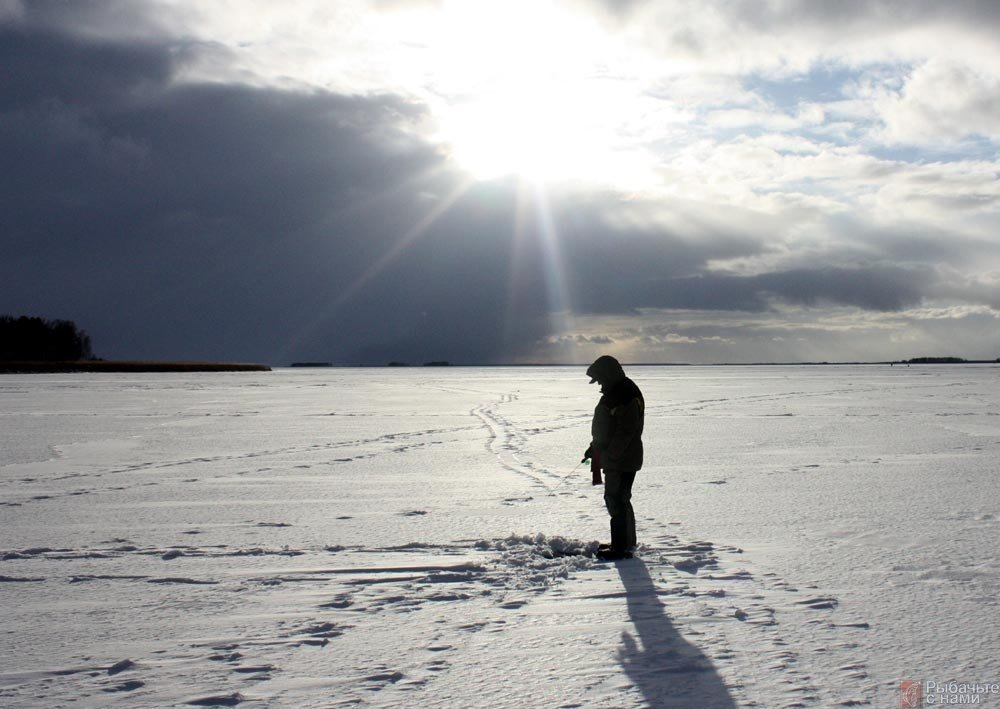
<point>102,366</point>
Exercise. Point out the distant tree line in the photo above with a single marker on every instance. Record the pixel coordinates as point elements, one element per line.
<point>39,340</point>
<point>435,363</point>
<point>936,360</point>
<point>948,360</point>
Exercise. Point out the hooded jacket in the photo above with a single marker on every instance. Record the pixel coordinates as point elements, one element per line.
<point>616,429</point>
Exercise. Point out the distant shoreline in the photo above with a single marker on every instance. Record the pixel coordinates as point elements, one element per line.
<point>745,364</point>
<point>896,363</point>
<point>126,366</point>
<point>154,366</point>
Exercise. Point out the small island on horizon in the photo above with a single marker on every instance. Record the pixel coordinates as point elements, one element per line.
<point>33,345</point>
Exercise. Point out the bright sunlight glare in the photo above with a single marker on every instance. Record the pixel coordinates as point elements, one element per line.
<point>543,133</point>
<point>523,89</point>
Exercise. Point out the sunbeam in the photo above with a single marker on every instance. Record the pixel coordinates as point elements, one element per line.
<point>382,262</point>
<point>516,274</point>
<point>559,306</point>
<point>402,243</point>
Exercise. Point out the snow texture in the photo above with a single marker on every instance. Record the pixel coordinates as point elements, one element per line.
<point>809,536</point>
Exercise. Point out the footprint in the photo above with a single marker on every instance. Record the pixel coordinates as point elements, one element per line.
<point>121,667</point>
<point>254,669</point>
<point>228,700</point>
<point>512,605</point>
<point>822,603</point>
<point>105,577</point>
<point>693,564</point>
<point>231,657</point>
<point>381,679</point>
<point>438,665</point>
<point>342,601</point>
<point>128,686</point>
<point>323,630</point>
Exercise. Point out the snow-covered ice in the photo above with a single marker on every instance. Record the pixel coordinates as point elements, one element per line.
<point>809,536</point>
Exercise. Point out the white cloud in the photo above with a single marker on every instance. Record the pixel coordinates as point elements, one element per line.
<point>942,102</point>
<point>746,118</point>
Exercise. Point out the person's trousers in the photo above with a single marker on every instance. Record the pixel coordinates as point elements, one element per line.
<point>618,499</point>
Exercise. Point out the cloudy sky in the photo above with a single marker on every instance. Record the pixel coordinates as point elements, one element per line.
<point>508,181</point>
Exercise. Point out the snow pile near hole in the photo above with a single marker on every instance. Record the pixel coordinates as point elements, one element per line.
<point>537,561</point>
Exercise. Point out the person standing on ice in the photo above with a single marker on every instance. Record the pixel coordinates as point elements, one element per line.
<point>616,442</point>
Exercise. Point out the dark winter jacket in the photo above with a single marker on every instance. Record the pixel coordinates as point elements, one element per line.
<point>618,420</point>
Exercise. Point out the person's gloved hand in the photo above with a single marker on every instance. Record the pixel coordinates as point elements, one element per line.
<point>588,454</point>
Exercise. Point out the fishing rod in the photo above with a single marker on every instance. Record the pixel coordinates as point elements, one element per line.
<point>568,475</point>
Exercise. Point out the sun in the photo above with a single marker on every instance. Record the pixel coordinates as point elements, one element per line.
<point>528,131</point>
<point>523,89</point>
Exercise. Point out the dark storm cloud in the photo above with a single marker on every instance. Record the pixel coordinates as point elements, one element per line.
<point>620,272</point>
<point>871,288</point>
<point>225,221</point>
<point>44,66</point>
<point>94,19</point>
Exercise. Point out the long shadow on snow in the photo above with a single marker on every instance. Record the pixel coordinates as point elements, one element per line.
<point>670,671</point>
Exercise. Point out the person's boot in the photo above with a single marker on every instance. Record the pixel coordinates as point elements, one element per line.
<point>612,554</point>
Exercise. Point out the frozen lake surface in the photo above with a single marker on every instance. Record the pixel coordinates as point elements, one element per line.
<point>809,536</point>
